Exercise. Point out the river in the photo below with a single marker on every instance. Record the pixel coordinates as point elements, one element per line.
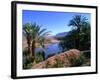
<point>51,49</point>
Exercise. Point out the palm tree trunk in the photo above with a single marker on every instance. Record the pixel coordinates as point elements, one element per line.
<point>43,47</point>
<point>29,47</point>
<point>44,54</point>
<point>33,50</point>
<point>78,39</point>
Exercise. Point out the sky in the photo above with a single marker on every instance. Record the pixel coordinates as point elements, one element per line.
<point>56,22</point>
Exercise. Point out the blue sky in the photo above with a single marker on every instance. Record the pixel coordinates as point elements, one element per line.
<point>56,22</point>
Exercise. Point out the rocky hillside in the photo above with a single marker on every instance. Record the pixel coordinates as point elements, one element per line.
<point>66,59</point>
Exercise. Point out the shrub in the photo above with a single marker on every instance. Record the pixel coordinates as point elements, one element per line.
<point>78,61</point>
<point>28,62</point>
<point>39,57</point>
<point>27,66</point>
<point>87,54</point>
<point>25,52</point>
<point>27,59</point>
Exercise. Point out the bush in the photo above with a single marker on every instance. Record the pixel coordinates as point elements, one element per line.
<point>87,54</point>
<point>27,66</point>
<point>25,52</point>
<point>39,57</point>
<point>27,59</point>
<point>28,62</point>
<point>79,61</point>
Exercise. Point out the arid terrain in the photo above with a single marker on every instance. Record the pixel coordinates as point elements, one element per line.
<point>66,59</point>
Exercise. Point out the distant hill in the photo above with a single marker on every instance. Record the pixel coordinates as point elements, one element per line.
<point>61,35</point>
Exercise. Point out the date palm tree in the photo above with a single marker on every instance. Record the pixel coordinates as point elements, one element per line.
<point>38,35</point>
<point>27,30</point>
<point>85,35</point>
<point>77,23</point>
<point>34,34</point>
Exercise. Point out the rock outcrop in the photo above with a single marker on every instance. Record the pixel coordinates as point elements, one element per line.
<point>65,59</point>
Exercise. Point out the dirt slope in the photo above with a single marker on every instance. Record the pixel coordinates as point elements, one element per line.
<point>65,59</point>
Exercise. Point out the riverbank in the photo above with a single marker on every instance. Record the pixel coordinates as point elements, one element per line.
<point>69,58</point>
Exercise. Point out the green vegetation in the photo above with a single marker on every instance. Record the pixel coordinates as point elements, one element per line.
<point>27,66</point>
<point>27,63</point>
<point>39,57</point>
<point>28,59</point>
<point>87,54</point>
<point>25,52</point>
<point>27,32</point>
<point>34,34</point>
<point>79,36</point>
<point>78,61</point>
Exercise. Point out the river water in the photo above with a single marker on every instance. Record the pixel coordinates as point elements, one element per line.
<point>51,49</point>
